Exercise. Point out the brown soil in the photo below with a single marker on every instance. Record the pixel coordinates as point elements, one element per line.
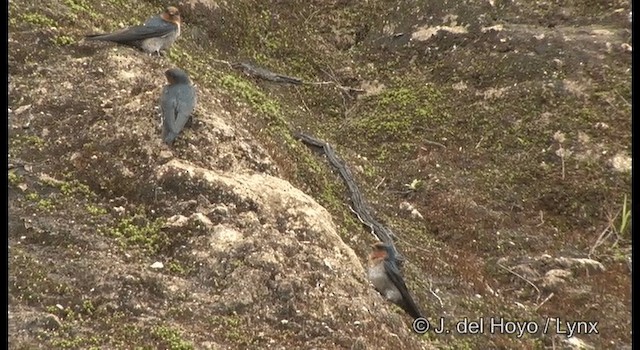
<point>505,125</point>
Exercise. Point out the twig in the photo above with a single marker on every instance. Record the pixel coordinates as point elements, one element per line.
<point>562,161</point>
<point>544,301</point>
<point>364,223</point>
<point>623,99</point>
<point>603,236</point>
<point>331,74</point>
<point>611,104</point>
<point>311,16</point>
<point>302,99</point>
<point>434,293</point>
<point>541,219</point>
<point>433,143</point>
<point>223,62</point>
<point>155,193</point>
<point>380,183</point>
<point>319,82</point>
<point>348,89</point>
<point>479,142</point>
<point>524,279</point>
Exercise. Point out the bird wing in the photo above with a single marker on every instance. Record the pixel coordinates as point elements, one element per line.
<point>153,28</point>
<point>177,105</point>
<point>168,105</point>
<point>186,105</point>
<point>395,276</point>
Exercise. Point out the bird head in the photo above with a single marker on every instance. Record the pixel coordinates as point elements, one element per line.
<point>381,250</point>
<point>177,76</point>
<point>171,14</point>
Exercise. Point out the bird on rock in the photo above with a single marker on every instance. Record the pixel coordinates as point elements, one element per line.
<point>387,279</point>
<point>156,35</point>
<point>177,103</point>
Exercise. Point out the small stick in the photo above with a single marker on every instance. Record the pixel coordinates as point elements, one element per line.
<point>380,183</point>
<point>223,62</point>
<point>544,301</point>
<point>603,236</point>
<point>434,293</point>
<point>319,83</point>
<point>302,99</point>
<point>524,279</point>
<point>541,219</point>
<point>362,221</point>
<point>623,99</point>
<point>433,143</point>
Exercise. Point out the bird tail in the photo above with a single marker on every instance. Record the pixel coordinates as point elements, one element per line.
<point>412,309</point>
<point>96,37</point>
<point>113,37</point>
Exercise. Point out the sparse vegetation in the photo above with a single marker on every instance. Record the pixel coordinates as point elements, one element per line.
<point>38,19</point>
<point>176,267</point>
<point>13,178</point>
<point>625,219</point>
<point>139,231</point>
<point>460,125</point>
<point>63,40</point>
<point>171,338</point>
<point>27,142</point>
<point>75,187</point>
<point>82,6</point>
<point>247,91</point>
<point>96,210</point>
<point>46,204</point>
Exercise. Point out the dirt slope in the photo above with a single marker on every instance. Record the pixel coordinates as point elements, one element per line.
<point>493,137</point>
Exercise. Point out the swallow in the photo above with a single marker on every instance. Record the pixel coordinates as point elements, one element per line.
<point>177,103</point>
<point>157,34</point>
<point>387,279</point>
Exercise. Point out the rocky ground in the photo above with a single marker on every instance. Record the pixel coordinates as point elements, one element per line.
<point>493,137</point>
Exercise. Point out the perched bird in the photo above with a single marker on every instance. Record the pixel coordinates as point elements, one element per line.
<point>155,35</point>
<point>177,103</point>
<point>385,276</point>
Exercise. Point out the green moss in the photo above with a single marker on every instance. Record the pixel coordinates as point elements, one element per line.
<point>75,187</point>
<point>20,142</point>
<point>46,204</point>
<point>176,267</point>
<point>38,19</point>
<point>32,283</point>
<point>68,343</point>
<point>119,3</point>
<point>170,338</point>
<point>87,307</point>
<point>14,179</point>
<point>63,40</point>
<point>82,6</point>
<point>95,210</point>
<point>233,329</point>
<point>247,91</point>
<point>138,231</point>
<point>52,309</point>
<point>32,196</point>
<point>394,120</point>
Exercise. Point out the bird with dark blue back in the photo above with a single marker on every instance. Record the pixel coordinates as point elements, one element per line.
<point>155,35</point>
<point>177,103</point>
<point>387,279</point>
